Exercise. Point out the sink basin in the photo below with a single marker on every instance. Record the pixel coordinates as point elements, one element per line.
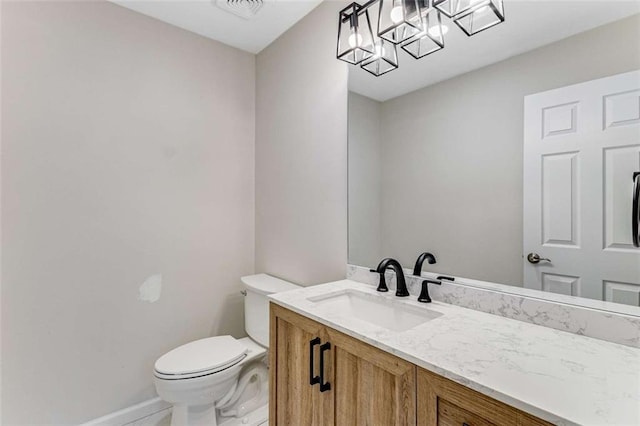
<point>381,311</point>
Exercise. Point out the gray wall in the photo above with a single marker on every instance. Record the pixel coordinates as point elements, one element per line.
<point>127,151</point>
<point>365,179</point>
<point>301,153</point>
<point>452,175</point>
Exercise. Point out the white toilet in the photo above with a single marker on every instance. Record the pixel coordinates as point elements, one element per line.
<point>222,380</point>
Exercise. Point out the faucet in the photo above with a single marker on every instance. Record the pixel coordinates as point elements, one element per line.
<point>401,287</point>
<point>417,270</point>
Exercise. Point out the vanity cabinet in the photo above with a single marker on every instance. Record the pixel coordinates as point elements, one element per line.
<point>320,376</point>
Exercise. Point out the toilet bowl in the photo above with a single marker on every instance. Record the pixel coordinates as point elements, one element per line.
<point>221,380</point>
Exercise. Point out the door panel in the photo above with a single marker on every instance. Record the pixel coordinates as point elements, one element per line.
<point>619,165</point>
<point>619,292</point>
<point>371,387</point>
<point>294,401</point>
<point>560,120</point>
<point>443,402</point>
<point>581,147</point>
<point>561,284</point>
<point>622,109</point>
<point>560,209</point>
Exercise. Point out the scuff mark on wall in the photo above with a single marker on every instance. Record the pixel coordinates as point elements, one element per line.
<point>151,289</point>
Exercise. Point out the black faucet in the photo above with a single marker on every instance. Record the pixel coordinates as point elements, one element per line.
<point>424,294</point>
<point>401,285</point>
<point>417,270</point>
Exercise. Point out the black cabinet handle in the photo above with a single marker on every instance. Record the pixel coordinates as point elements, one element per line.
<point>464,424</point>
<point>635,210</point>
<point>313,379</point>
<point>324,386</point>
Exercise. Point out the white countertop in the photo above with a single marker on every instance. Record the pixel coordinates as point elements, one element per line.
<point>561,377</point>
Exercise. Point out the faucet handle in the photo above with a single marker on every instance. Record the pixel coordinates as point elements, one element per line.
<point>382,286</point>
<point>444,277</point>
<point>424,294</point>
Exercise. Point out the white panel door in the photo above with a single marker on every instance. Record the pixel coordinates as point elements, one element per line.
<point>581,148</point>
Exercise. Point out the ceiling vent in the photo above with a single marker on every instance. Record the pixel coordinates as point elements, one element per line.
<point>247,9</point>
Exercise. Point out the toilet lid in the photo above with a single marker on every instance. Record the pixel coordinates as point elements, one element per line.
<point>205,355</point>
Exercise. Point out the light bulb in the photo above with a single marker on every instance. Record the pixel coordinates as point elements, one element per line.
<point>379,50</point>
<point>355,40</point>
<point>396,14</point>
<point>434,31</point>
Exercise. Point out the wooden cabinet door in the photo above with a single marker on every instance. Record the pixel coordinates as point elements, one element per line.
<point>369,386</point>
<point>446,403</point>
<point>293,400</point>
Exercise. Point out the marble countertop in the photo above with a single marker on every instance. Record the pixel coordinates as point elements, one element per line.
<point>561,377</point>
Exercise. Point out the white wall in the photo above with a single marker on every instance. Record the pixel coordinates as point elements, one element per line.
<point>1,350</point>
<point>127,151</point>
<point>365,180</point>
<point>301,153</point>
<point>452,175</point>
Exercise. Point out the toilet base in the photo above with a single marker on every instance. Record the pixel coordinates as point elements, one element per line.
<point>193,415</point>
<point>258,417</point>
<point>206,415</point>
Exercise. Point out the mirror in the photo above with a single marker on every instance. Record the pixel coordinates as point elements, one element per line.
<point>509,155</point>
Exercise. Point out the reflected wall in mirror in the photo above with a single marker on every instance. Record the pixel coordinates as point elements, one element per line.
<point>444,157</point>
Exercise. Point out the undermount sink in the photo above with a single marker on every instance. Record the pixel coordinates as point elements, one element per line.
<point>381,311</point>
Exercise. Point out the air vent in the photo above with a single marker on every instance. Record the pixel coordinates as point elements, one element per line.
<point>246,9</point>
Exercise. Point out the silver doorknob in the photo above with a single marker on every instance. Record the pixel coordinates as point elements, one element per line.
<point>535,258</point>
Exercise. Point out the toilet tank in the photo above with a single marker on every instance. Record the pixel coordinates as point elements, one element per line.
<point>256,304</point>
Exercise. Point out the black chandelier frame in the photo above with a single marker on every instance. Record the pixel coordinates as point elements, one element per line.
<point>411,30</point>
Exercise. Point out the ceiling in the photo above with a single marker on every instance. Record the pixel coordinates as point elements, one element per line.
<point>205,18</point>
<point>528,24</point>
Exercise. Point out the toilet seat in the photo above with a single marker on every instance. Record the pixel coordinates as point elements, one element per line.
<point>200,358</point>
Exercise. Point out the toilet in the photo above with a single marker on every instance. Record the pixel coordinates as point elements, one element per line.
<point>220,380</point>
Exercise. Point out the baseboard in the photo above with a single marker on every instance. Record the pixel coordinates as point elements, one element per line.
<point>130,414</point>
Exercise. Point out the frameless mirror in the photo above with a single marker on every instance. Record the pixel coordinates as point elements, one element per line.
<point>509,155</point>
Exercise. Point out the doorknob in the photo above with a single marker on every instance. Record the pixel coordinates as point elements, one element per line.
<point>535,258</point>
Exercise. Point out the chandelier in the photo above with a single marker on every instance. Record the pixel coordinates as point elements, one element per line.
<point>414,25</point>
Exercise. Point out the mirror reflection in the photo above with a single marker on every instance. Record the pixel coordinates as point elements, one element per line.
<point>517,169</point>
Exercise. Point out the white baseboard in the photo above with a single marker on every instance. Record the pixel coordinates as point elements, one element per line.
<point>130,414</point>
